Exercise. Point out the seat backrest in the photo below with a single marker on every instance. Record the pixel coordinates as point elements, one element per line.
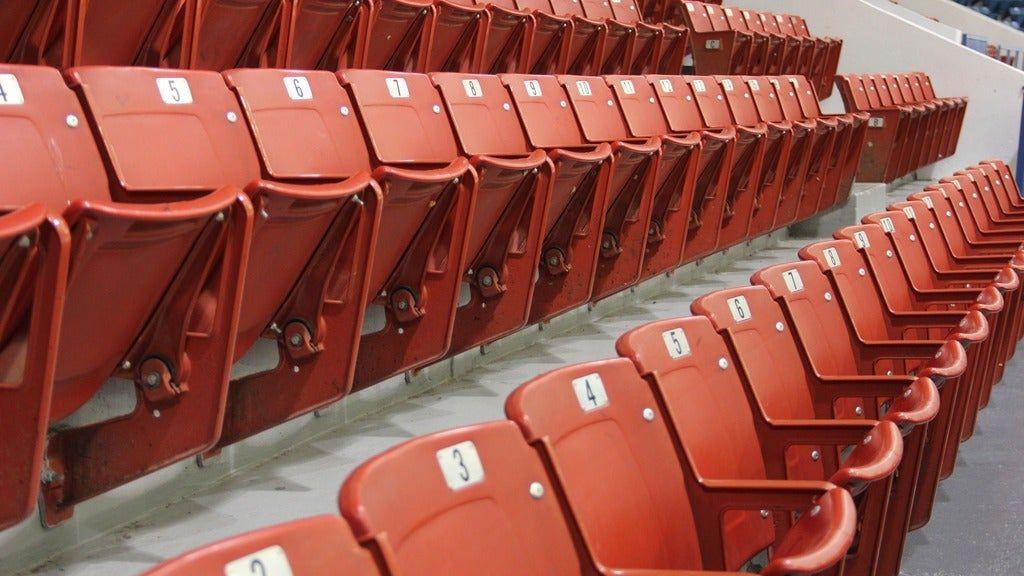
<point>544,109</point>
<point>696,16</point>
<point>749,318</point>
<point>926,86</point>
<point>740,100</point>
<point>232,33</point>
<point>711,101</point>
<point>769,23</point>
<point>855,93</point>
<point>626,11</point>
<point>769,109</point>
<point>937,200</point>
<point>47,152</point>
<point>597,9</point>
<point>690,368</point>
<point>117,33</point>
<point>814,312</point>
<point>903,235</point>
<point>735,19</point>
<point>852,278</point>
<point>892,83</point>
<point>639,105</point>
<point>785,25</point>
<point>881,85</point>
<point>871,92</point>
<point>927,226</point>
<point>484,120</point>
<point>167,134</point>
<point>800,25</point>
<point>786,93</point>
<point>753,20</point>
<point>905,88</point>
<point>15,16</point>
<point>302,123</point>
<point>480,503</point>
<point>717,17</point>
<point>596,110</point>
<point>677,102</point>
<point>620,470</point>
<point>806,96</point>
<point>402,116</point>
<point>914,81</point>
<point>880,254</point>
<point>318,546</point>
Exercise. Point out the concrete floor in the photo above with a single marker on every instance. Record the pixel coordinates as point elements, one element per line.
<point>977,528</point>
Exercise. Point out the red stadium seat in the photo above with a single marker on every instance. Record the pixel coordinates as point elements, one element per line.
<point>614,456</point>
<point>318,546</point>
<point>429,191</point>
<point>718,143</point>
<point>761,41</point>
<point>630,195</point>
<point>574,225</point>
<point>507,229</point>
<point>322,35</point>
<point>676,175</point>
<point>33,276</point>
<point>168,334</point>
<point>717,48</point>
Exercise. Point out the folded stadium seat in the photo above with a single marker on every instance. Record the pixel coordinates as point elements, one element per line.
<point>658,48</point>
<point>760,41</point>
<point>916,134</point>
<point>955,201</point>
<point>938,112</point>
<point>317,546</point>
<point>717,48</point>
<point>631,189</point>
<point>676,175</point>
<point>574,226</point>
<point>777,43</point>
<point>821,385</point>
<point>906,292</point>
<point>228,34</point>
<point>797,152</point>
<point>1009,183</point>
<point>430,193</point>
<point>887,133</point>
<point>810,48</point>
<point>718,143</point>
<point>746,162</point>
<point>890,90</point>
<point>794,46</point>
<point>186,263</point>
<point>826,59</point>
<point>982,197</point>
<point>704,400</point>
<point>507,226</point>
<point>1004,189</point>
<point>823,141</point>
<point>322,35</point>
<point>876,319</point>
<point>33,275</point>
<point>776,141</point>
<point>961,109</point>
<point>601,428</point>
<point>295,304</point>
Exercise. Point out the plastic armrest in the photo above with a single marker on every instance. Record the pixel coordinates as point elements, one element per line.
<point>924,319</point>
<point>835,387</point>
<point>873,351</point>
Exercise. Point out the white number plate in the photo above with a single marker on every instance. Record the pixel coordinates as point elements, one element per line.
<point>740,309</point>
<point>628,87</point>
<point>532,88</point>
<point>887,225</point>
<point>583,88</point>
<point>397,87</point>
<point>460,465</point>
<point>862,239</point>
<point>174,90</point>
<point>666,85</point>
<point>793,280</point>
<point>590,392</point>
<point>10,91</point>
<point>831,257</point>
<point>473,88</point>
<point>298,88</point>
<point>676,343</point>
<point>270,561</point>
<point>909,211</point>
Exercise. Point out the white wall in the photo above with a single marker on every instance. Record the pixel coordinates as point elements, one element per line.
<point>966,20</point>
<point>878,41</point>
<point>922,20</point>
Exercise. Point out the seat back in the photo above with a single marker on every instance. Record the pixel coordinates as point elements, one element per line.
<point>854,93</point>
<point>695,15</point>
<point>885,94</point>
<point>851,277</point>
<point>482,503</point>
<point>639,105</point>
<point>916,87</point>
<point>690,369</point>
<point>804,91</point>
<point>544,109</point>
<point>482,115</point>
<point>926,86</point>
<point>596,110</point>
<point>680,107</point>
<point>15,16</point>
<point>769,108</point>
<point>48,153</point>
<point>142,32</point>
<point>204,143</point>
<point>711,101</point>
<point>788,100</point>
<point>735,19</point>
<point>233,33</point>
<point>927,226</point>
<point>318,546</point>
<point>403,118</point>
<point>302,123</point>
<point>325,34</point>
<point>620,470</point>
<point>897,225</point>
<point>717,17</point>
<point>740,100</point>
<point>815,314</point>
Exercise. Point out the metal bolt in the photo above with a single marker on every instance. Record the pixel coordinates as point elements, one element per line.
<point>156,413</point>
<point>295,340</point>
<point>779,326</point>
<point>357,200</point>
<point>71,120</point>
<point>219,217</point>
<point>152,379</point>
<point>862,272</point>
<point>562,104</point>
<point>815,511</point>
<point>723,363</point>
<point>401,330</point>
<point>264,214</point>
<point>403,305</point>
<point>456,182</point>
<point>24,242</point>
<point>913,238</point>
<point>344,110</point>
<point>295,369</point>
<point>867,439</point>
<point>506,106</point>
<point>648,415</point>
<point>765,514</point>
<point>907,393</point>
<point>828,296</point>
<point>888,253</point>
<point>436,108</point>
<point>536,490</point>
<point>815,455</point>
<point>126,365</point>
<point>232,117</point>
<point>486,281</point>
<point>859,411</point>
